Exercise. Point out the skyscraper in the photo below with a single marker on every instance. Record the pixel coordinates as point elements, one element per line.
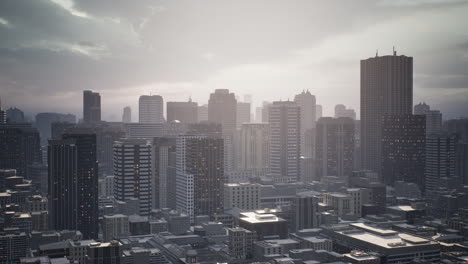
<point>202,113</point>
<point>222,109</point>
<point>185,112</point>
<point>132,170</point>
<point>91,107</point>
<point>342,111</point>
<point>285,149</point>
<point>386,89</point>
<point>307,104</point>
<point>127,115</point>
<point>421,108</point>
<point>403,149</point>
<point>318,112</point>
<point>164,172</point>
<point>440,161</point>
<point>254,146</point>
<point>199,175</point>
<point>335,146</point>
<point>151,109</point>
<point>87,180</point>
<point>14,115</point>
<point>19,147</point>
<point>63,184</point>
<point>433,118</point>
<point>3,116</point>
<point>243,113</point>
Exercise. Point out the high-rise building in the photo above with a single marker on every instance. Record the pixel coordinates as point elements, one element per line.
<point>342,111</point>
<point>335,146</point>
<point>458,127</point>
<point>3,114</point>
<point>185,112</point>
<point>63,184</point>
<point>403,149</point>
<point>127,115</point>
<point>91,107</point>
<point>14,115</point>
<point>318,112</point>
<point>421,108</point>
<point>265,112</point>
<point>285,148</point>
<point>306,102</point>
<point>143,130</point>
<point>115,226</point>
<point>132,170</point>
<point>87,180</point>
<point>254,146</point>
<point>44,122</point>
<point>164,172</point>
<point>386,89</point>
<point>202,113</point>
<point>440,161</point>
<point>243,113</point>
<point>305,211</point>
<point>19,147</point>
<point>151,109</point>
<point>199,175</point>
<point>222,109</point>
<point>433,122</point>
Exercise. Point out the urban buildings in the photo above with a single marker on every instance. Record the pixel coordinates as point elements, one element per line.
<point>164,172</point>
<point>241,243</point>
<point>254,146</point>
<point>386,89</point>
<point>127,115</point>
<point>199,175</point>
<point>307,104</point>
<point>222,109</point>
<point>342,111</point>
<point>184,112</point>
<point>245,196</point>
<point>243,113</point>
<point>151,109</point>
<point>403,149</point>
<point>91,107</point>
<point>335,146</point>
<point>285,148</point>
<point>132,170</point>
<point>440,161</point>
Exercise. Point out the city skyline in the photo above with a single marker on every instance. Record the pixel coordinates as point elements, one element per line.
<point>323,60</point>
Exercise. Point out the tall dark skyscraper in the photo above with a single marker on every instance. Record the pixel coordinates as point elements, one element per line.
<point>440,161</point>
<point>285,141</point>
<point>87,180</point>
<point>335,146</point>
<point>164,174</point>
<point>185,112</point>
<point>403,149</point>
<point>199,175</point>
<point>63,184</point>
<point>19,147</point>
<point>91,107</point>
<point>386,89</point>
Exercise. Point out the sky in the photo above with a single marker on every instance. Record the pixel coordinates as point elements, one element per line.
<point>52,50</point>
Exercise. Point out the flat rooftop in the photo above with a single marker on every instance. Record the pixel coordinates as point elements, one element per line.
<point>253,217</point>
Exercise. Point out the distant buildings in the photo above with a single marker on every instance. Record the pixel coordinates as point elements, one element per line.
<point>285,149</point>
<point>45,120</point>
<point>244,196</point>
<point>202,113</point>
<point>342,111</point>
<point>386,89</point>
<point>243,113</point>
<point>254,149</point>
<point>184,112</point>
<point>91,107</point>
<point>127,115</point>
<point>164,172</point>
<point>151,109</point>
<point>306,102</point>
<point>440,161</point>
<point>14,115</point>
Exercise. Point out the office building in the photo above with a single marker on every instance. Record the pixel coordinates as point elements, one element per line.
<point>392,246</point>
<point>91,107</point>
<point>132,170</point>
<point>440,161</point>
<point>44,123</point>
<point>143,130</point>
<point>202,114</point>
<point>240,243</point>
<point>199,175</point>
<point>243,113</point>
<point>305,211</point>
<point>13,246</point>
<point>265,112</point>
<point>318,112</point>
<point>127,115</point>
<point>458,127</point>
<point>63,184</point>
<point>307,104</point>
<point>342,111</point>
<point>184,112</point>
<point>245,196</point>
<point>100,253</point>
<point>335,146</point>
<point>164,172</point>
<point>19,147</point>
<point>254,146</point>
<point>265,224</point>
<point>285,149</point>
<point>386,89</point>
<point>421,108</point>
<point>340,202</point>
<point>115,226</point>
<point>87,180</point>
<point>151,109</point>
<point>403,149</point>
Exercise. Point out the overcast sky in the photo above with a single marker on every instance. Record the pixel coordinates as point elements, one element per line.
<point>51,50</point>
